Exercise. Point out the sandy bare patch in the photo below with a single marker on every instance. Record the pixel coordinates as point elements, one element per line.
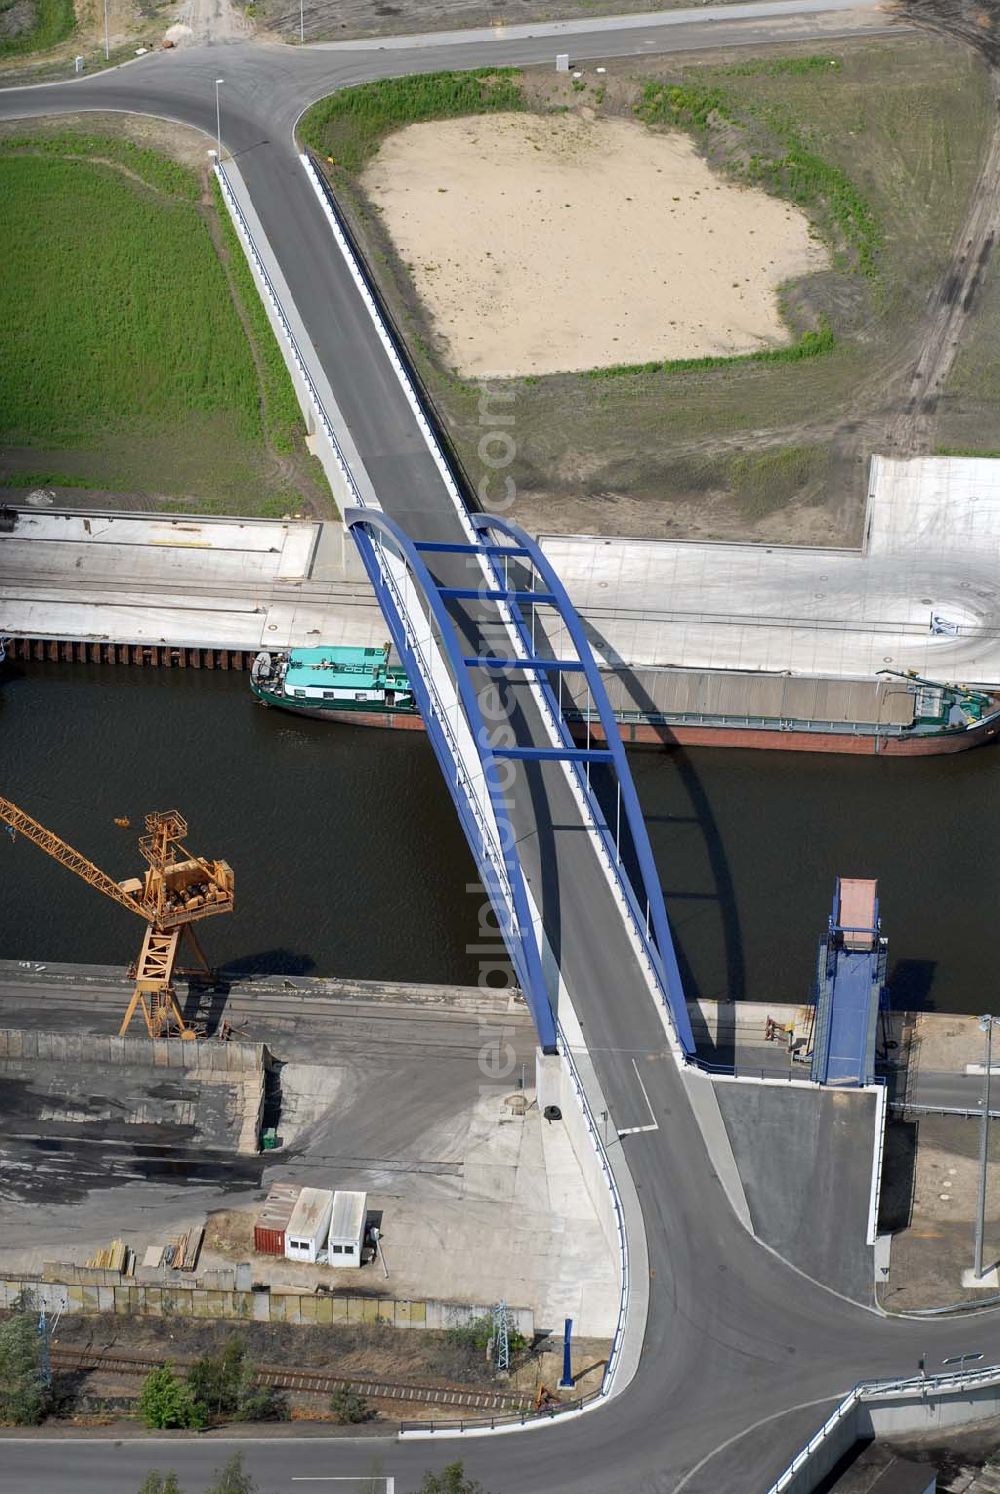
<point>545,244</point>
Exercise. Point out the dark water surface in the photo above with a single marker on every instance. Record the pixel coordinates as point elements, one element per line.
<point>349,859</point>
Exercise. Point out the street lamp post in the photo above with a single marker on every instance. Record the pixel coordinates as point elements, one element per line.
<point>107,42</point>
<point>986,1024</point>
<point>302,21</point>
<point>218,122</point>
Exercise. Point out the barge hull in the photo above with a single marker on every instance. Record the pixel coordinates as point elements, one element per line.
<point>766,739</point>
<point>761,739</point>
<point>862,742</point>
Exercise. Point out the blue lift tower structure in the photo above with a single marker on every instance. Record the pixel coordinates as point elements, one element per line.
<point>850,982</point>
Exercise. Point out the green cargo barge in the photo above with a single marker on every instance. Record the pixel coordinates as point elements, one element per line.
<point>356,685</point>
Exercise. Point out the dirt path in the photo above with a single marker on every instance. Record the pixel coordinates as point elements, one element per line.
<point>201,21</point>
<point>911,431</point>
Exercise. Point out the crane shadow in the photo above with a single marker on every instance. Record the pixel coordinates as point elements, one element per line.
<point>208,994</point>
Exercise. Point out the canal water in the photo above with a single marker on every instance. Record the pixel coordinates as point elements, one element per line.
<point>349,859</point>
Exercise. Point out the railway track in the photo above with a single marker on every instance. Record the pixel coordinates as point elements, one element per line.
<point>250,1013</point>
<point>313,1382</point>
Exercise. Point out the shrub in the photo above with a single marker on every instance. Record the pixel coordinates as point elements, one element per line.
<point>165,1401</point>
<point>156,1482</point>
<point>232,1479</point>
<point>350,1407</point>
<point>477,1335</point>
<point>224,1384</point>
<point>451,1480</point>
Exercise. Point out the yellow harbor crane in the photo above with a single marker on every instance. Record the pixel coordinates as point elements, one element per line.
<point>175,891</point>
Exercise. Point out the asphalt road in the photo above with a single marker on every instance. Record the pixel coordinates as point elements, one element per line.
<point>741,1357</point>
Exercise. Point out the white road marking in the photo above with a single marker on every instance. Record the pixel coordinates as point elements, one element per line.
<point>654,1124</point>
<point>346,1478</point>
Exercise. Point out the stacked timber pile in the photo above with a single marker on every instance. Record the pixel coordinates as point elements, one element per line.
<point>114,1257</point>
<point>180,1252</point>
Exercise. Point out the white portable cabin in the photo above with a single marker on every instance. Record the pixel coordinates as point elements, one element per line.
<point>347,1229</point>
<point>306,1231</point>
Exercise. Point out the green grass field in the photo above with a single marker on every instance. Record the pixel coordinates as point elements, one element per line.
<point>879,145</point>
<point>126,362</point>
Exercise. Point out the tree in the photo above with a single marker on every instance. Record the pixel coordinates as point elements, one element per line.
<point>233,1479</point>
<point>225,1384</point>
<point>24,1395</point>
<point>165,1400</point>
<point>156,1482</point>
<point>451,1480</point>
<point>350,1406</point>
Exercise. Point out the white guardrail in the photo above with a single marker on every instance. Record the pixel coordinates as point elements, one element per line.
<point>444,696</point>
<point>597,1142</point>
<point>914,1387</point>
<point>803,1456</point>
<point>292,349</point>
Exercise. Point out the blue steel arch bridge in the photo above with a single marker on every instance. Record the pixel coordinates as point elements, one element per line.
<point>487,633</point>
<point>472,622</point>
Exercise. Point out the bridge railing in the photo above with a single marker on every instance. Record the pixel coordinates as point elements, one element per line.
<point>649,929</point>
<point>447,712</point>
<point>424,634</point>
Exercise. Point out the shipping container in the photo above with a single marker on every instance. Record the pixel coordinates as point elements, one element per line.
<point>272,1221</point>
<point>307,1230</point>
<point>347,1228</point>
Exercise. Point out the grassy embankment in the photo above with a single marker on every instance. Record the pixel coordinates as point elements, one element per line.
<point>49,22</point>
<point>137,357</point>
<point>863,139</point>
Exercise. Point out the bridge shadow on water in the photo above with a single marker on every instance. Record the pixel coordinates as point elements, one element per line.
<point>701,884</point>
<point>694,891</point>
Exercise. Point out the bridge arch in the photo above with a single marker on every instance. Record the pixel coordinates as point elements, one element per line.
<point>416,607</point>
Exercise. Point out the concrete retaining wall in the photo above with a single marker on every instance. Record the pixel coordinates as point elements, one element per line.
<point>932,1412</point>
<point>159,1053</point>
<point>911,1407</point>
<point>241,1066</point>
<point>190,1300</point>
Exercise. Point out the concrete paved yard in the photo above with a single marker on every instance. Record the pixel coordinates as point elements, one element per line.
<point>405,1099</point>
<point>510,1217</point>
<point>932,542</point>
